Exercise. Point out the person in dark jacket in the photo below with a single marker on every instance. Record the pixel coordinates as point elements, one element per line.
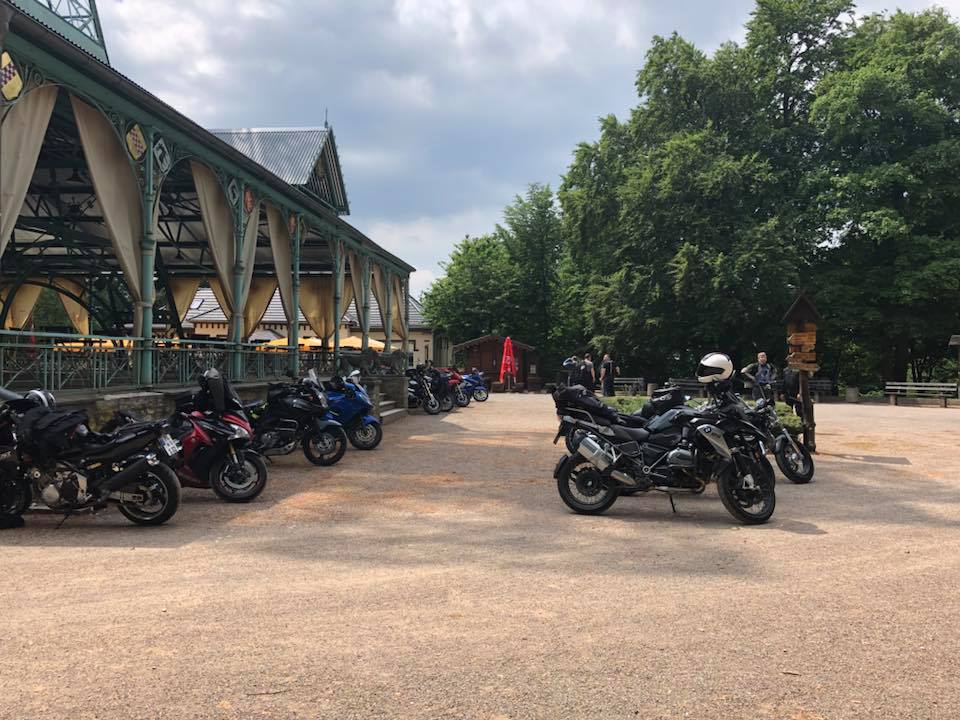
<point>608,371</point>
<point>758,377</point>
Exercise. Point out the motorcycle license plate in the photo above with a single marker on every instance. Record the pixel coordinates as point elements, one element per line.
<point>170,446</point>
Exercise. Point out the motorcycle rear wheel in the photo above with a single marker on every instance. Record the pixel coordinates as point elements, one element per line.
<point>230,486</point>
<point>481,394</point>
<point>365,437</point>
<point>15,496</point>
<point>797,466</point>
<point>325,447</point>
<point>447,404</point>
<point>162,488</point>
<point>583,489</point>
<point>751,506</point>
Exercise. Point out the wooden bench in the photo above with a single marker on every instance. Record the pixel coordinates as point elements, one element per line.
<point>820,385</point>
<point>691,386</point>
<point>895,390</point>
<point>628,385</point>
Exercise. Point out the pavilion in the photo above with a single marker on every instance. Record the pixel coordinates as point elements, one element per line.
<point>123,207</point>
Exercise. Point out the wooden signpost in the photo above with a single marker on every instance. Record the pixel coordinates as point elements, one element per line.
<point>801,320</point>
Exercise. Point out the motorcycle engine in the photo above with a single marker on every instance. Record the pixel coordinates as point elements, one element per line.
<point>278,443</point>
<point>62,487</point>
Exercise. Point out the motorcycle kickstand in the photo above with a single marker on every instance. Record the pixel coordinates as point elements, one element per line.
<point>65,518</point>
<point>672,505</point>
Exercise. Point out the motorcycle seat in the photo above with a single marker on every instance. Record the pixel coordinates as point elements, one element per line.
<point>632,421</point>
<point>637,433</point>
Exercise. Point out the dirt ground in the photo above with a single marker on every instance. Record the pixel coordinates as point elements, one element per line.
<point>440,576</point>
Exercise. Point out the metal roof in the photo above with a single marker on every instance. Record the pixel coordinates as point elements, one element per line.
<point>289,153</point>
<point>32,30</point>
<point>205,308</point>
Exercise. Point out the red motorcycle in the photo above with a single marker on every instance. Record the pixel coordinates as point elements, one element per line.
<point>461,398</point>
<point>216,436</point>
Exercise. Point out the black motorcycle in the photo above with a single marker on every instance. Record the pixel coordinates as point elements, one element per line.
<point>792,457</point>
<point>440,387</point>
<point>51,457</point>
<point>419,393</point>
<point>297,414</point>
<point>681,449</point>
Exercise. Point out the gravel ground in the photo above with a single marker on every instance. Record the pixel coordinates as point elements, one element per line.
<point>440,576</point>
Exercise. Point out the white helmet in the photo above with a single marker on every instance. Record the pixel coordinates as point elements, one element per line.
<point>714,367</point>
<point>42,398</point>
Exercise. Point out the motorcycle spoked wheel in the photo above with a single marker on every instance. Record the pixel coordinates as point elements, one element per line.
<point>325,447</point>
<point>461,398</point>
<point>481,394</point>
<point>239,483</point>
<point>161,489</point>
<point>584,489</point>
<point>446,403</point>
<point>365,437</point>
<point>796,465</point>
<point>747,491</point>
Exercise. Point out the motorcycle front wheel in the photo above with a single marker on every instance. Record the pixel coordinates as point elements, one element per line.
<point>239,483</point>
<point>747,491</point>
<point>462,399</point>
<point>431,406</point>
<point>325,447</point>
<point>446,403</point>
<point>160,490</point>
<point>796,465</point>
<point>480,394</point>
<point>365,437</point>
<point>583,489</point>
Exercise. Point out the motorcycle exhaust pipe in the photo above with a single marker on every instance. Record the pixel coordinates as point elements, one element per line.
<point>594,452</point>
<point>601,459</point>
<point>124,477</point>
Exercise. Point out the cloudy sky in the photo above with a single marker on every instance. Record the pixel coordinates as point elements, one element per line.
<point>444,110</point>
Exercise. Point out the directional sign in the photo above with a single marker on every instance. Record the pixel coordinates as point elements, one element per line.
<point>809,367</point>
<point>802,357</point>
<point>804,338</point>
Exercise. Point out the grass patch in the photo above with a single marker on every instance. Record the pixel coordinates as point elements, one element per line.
<point>630,404</point>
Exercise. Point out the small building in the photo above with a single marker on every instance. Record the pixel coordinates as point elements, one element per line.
<point>486,353</point>
<point>955,343</point>
<point>206,319</point>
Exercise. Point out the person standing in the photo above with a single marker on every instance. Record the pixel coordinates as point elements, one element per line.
<point>572,366</point>
<point>759,377</point>
<point>588,376</point>
<point>608,371</point>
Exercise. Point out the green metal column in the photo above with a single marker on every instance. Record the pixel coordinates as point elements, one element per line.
<point>148,252</point>
<point>365,345</point>
<point>293,329</point>
<point>406,317</point>
<point>388,330</point>
<point>236,319</point>
<point>337,297</point>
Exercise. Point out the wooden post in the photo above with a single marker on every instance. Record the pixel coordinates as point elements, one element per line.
<point>801,320</point>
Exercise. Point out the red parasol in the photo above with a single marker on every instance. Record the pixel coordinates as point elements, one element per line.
<point>509,363</point>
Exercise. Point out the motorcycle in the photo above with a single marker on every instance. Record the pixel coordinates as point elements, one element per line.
<point>792,457</point>
<point>51,457</point>
<point>351,406</point>
<point>460,396</point>
<point>419,393</point>
<point>298,414</point>
<point>475,385</point>
<point>440,387</point>
<point>679,450</point>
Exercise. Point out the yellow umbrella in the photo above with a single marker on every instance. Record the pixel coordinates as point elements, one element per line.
<point>353,342</point>
<point>306,343</point>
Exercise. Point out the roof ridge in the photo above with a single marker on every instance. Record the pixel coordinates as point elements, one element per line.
<point>316,128</point>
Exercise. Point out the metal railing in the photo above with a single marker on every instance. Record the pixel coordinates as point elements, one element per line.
<point>59,362</point>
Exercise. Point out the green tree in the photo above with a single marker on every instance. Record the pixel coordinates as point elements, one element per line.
<point>889,119</point>
<point>475,296</point>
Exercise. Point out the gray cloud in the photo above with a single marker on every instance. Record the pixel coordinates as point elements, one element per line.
<point>443,109</point>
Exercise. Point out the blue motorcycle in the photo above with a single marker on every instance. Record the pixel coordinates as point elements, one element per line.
<point>351,406</point>
<point>475,386</point>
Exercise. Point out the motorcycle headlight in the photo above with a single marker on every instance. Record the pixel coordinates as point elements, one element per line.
<point>239,433</point>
